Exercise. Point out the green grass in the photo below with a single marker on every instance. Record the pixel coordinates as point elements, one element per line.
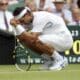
<point>9,72</point>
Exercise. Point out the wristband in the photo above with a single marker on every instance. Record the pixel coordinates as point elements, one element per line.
<point>19,30</point>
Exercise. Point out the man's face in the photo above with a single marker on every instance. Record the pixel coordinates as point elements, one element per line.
<point>59,5</point>
<point>3,5</point>
<point>26,19</point>
<point>76,14</point>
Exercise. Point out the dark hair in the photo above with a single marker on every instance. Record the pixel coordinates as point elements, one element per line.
<point>18,10</point>
<point>78,3</point>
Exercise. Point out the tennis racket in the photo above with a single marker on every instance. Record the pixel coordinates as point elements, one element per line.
<point>22,58</point>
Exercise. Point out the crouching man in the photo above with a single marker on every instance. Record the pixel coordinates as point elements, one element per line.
<point>48,35</point>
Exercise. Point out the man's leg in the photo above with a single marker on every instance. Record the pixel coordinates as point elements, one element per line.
<point>54,41</point>
<point>59,61</point>
<point>39,46</point>
<point>35,44</point>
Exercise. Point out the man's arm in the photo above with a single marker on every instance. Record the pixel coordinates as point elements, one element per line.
<point>31,40</point>
<point>35,44</point>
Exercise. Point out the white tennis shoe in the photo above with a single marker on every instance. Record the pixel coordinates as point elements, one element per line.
<point>59,65</point>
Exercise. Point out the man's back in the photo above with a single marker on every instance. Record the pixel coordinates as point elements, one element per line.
<point>48,23</point>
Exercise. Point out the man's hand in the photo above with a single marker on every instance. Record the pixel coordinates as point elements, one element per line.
<point>14,22</point>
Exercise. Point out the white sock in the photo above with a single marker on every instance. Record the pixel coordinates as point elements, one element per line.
<point>57,56</point>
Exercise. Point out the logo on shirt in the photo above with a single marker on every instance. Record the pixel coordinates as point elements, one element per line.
<point>49,24</point>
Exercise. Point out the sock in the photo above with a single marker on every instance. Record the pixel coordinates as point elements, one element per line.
<point>57,56</point>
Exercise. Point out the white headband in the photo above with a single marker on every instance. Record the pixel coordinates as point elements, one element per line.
<point>23,12</point>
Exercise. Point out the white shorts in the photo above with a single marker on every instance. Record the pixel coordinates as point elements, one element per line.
<point>58,42</point>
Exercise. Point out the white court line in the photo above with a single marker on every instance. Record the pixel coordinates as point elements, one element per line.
<point>41,71</point>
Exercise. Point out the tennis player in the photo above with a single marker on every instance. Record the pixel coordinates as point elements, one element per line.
<point>47,28</point>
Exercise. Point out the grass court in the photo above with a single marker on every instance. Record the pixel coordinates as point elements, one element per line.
<point>9,72</point>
